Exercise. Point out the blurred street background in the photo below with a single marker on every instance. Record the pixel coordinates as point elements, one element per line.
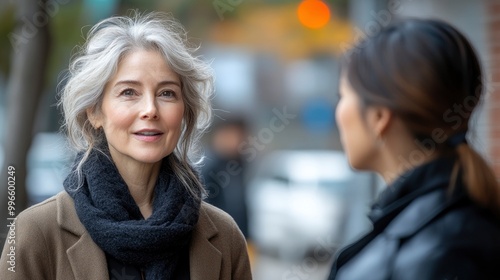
<point>273,158</point>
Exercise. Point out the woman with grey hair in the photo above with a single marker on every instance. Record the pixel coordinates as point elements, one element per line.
<point>135,103</point>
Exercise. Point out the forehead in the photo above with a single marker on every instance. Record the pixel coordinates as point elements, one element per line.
<point>144,64</point>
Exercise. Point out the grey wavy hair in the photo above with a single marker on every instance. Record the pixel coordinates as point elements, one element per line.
<point>96,62</point>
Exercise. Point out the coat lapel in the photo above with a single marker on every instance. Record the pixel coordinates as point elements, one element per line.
<point>203,252</point>
<point>87,259</point>
<point>84,253</point>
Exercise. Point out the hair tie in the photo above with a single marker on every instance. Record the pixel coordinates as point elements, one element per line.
<point>457,139</point>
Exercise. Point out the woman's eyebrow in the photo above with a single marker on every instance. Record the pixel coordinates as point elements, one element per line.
<point>134,82</point>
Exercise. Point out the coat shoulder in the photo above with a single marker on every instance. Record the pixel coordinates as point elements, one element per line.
<point>467,235</point>
<point>34,238</point>
<point>218,216</point>
<point>50,218</point>
<point>427,241</point>
<point>40,214</point>
<point>471,220</point>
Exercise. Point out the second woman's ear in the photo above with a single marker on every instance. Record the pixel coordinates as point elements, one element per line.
<point>379,119</point>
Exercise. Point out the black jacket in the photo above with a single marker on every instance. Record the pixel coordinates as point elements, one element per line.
<point>422,230</point>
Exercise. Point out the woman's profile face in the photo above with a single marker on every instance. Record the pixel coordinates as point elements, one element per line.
<point>142,109</point>
<point>356,137</point>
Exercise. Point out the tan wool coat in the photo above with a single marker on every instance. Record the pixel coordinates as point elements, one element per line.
<point>51,243</point>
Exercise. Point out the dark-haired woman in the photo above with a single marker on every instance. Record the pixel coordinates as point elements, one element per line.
<point>407,95</point>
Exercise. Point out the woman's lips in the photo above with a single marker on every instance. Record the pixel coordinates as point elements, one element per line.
<point>148,136</point>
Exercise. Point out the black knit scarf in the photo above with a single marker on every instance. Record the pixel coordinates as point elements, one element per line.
<point>113,219</point>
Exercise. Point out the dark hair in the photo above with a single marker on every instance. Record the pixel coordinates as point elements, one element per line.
<point>422,70</point>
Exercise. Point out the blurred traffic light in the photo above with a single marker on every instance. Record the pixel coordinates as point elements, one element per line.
<point>313,13</point>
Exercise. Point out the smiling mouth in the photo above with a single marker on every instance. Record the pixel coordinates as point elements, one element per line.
<point>148,133</point>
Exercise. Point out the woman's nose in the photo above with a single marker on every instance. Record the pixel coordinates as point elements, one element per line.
<point>149,110</point>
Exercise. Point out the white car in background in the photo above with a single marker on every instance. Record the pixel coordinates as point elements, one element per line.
<point>307,202</point>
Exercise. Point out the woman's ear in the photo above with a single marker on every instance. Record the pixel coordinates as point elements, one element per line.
<point>93,118</point>
<point>380,119</point>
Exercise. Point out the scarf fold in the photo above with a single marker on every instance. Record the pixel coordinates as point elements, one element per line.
<point>106,208</point>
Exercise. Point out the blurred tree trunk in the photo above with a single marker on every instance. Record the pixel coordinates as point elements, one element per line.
<point>30,45</point>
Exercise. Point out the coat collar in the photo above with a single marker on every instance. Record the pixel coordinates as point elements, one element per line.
<point>421,212</point>
<point>424,194</point>
<point>204,258</point>
<point>410,186</point>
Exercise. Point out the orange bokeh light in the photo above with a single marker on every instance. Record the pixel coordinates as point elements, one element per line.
<point>313,13</point>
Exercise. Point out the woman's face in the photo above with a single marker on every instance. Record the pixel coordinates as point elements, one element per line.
<point>142,109</point>
<point>355,134</point>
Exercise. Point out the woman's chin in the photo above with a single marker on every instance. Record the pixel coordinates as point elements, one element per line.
<point>150,157</point>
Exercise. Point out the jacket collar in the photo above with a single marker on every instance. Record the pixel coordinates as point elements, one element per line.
<point>204,258</point>
<point>409,187</point>
<point>421,212</point>
<point>417,197</point>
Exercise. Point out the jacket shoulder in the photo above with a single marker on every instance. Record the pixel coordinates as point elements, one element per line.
<point>218,216</point>
<point>427,241</point>
<point>33,234</point>
<point>466,234</point>
<point>40,214</point>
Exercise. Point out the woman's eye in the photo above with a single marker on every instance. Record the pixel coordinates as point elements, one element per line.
<point>127,92</point>
<point>167,93</point>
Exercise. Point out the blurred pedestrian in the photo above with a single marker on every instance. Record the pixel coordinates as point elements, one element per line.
<point>407,95</point>
<point>135,103</point>
<point>224,169</point>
